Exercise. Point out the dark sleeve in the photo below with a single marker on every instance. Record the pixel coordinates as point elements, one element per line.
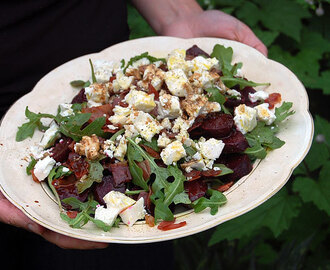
<point>38,35</point>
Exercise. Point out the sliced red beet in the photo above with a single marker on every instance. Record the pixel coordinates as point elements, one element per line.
<point>80,97</point>
<point>235,143</point>
<point>61,150</point>
<point>193,175</point>
<point>232,103</point>
<point>217,125</point>
<point>196,51</point>
<point>121,173</point>
<point>77,164</point>
<point>66,187</point>
<point>103,188</point>
<point>195,189</point>
<point>239,163</point>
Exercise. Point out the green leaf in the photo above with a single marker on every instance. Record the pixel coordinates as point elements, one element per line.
<point>31,165</point>
<point>141,56</point>
<point>275,214</point>
<point>135,170</point>
<point>95,174</point>
<point>161,173</point>
<point>80,84</point>
<point>232,81</point>
<point>256,152</point>
<point>216,200</point>
<point>318,191</point>
<point>162,211</point>
<point>181,198</point>
<point>283,112</point>
<point>27,129</point>
<point>215,96</point>
<point>282,16</point>
<point>72,126</point>
<point>224,169</point>
<point>176,186</point>
<point>224,56</point>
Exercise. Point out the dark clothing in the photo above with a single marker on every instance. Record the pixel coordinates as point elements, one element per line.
<point>35,37</point>
<point>38,35</point>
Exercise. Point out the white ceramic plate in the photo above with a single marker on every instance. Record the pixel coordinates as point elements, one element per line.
<point>266,179</point>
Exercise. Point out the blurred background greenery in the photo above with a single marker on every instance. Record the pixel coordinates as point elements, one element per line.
<point>292,229</point>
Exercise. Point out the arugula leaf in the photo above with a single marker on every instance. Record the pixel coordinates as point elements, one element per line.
<point>283,112</point>
<point>31,165</point>
<point>80,83</point>
<point>72,126</point>
<point>153,144</point>
<point>216,200</point>
<point>135,170</point>
<point>161,173</point>
<point>216,96</point>
<point>224,56</point>
<point>92,71</point>
<point>87,209</point>
<point>27,129</point>
<point>162,211</point>
<point>50,179</point>
<point>176,186</point>
<point>232,81</point>
<point>256,151</point>
<point>95,174</point>
<point>224,169</point>
<point>181,198</point>
<point>141,56</point>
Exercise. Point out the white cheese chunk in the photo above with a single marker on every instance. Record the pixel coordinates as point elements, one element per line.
<point>121,115</point>
<point>43,167</point>
<point>66,109</point>
<point>175,80</point>
<point>140,100</point>
<point>173,152</point>
<point>133,213</point>
<point>163,140</point>
<point>103,70</point>
<point>169,107</point>
<point>97,94</point>
<point>211,149</point>
<point>107,215</point>
<point>259,95</point>
<point>50,135</point>
<point>117,200</point>
<point>200,64</point>
<point>176,60</point>
<point>121,149</point>
<point>122,82</point>
<point>245,118</point>
<point>264,114</point>
<point>145,124</point>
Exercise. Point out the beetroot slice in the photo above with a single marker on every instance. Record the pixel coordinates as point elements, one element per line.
<point>217,125</point>
<point>235,143</point>
<point>61,150</point>
<point>103,188</point>
<point>66,187</point>
<point>80,97</point>
<point>121,173</point>
<point>239,163</point>
<point>196,51</point>
<point>232,103</point>
<point>195,189</point>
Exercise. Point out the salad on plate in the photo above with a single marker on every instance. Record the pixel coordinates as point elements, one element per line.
<point>146,138</point>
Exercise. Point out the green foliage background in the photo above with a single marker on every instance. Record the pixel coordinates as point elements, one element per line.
<point>292,229</point>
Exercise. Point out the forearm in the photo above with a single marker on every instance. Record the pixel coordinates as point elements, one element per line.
<point>162,13</point>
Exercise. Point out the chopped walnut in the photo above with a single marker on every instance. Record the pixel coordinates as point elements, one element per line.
<point>89,147</point>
